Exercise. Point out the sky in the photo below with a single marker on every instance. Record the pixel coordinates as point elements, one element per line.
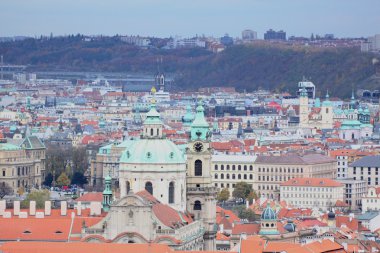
<point>187,18</point>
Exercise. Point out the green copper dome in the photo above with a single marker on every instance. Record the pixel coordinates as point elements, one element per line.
<point>157,151</point>
<point>199,127</point>
<point>268,214</point>
<point>152,117</point>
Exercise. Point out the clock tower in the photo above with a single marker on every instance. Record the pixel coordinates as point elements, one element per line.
<point>201,195</point>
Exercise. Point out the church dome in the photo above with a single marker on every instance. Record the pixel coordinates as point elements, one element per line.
<point>290,227</point>
<point>268,214</point>
<point>154,151</point>
<point>331,215</point>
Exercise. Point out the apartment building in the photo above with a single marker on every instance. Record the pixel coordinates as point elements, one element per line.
<point>227,170</point>
<point>272,171</point>
<point>321,193</point>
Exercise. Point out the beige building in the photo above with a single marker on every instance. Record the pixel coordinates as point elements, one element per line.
<point>22,163</point>
<point>227,170</point>
<point>321,193</point>
<point>354,191</point>
<point>371,200</point>
<point>271,171</point>
<point>366,169</point>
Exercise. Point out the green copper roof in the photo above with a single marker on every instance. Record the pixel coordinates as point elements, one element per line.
<point>189,115</point>
<point>155,151</point>
<point>199,127</point>
<point>153,117</point>
<point>317,103</point>
<point>9,147</point>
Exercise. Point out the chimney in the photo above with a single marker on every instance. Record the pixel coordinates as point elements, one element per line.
<point>2,207</point>
<point>16,207</point>
<point>63,208</point>
<point>243,236</point>
<point>32,207</point>
<point>79,208</point>
<point>221,228</point>
<point>47,208</point>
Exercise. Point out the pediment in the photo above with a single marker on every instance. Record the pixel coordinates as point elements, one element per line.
<point>132,200</point>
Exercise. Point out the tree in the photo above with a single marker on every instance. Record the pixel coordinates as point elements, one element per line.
<point>40,196</point>
<point>242,190</point>
<point>244,213</point>
<point>63,180</point>
<point>223,195</point>
<point>48,179</point>
<point>79,179</point>
<point>5,189</point>
<point>251,196</point>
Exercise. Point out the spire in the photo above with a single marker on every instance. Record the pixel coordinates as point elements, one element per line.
<point>107,193</point>
<point>199,127</point>
<point>153,124</point>
<point>327,95</point>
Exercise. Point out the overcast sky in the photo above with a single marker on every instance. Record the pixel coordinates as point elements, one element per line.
<point>164,18</point>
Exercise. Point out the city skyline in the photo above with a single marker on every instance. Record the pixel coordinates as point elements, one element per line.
<point>169,18</point>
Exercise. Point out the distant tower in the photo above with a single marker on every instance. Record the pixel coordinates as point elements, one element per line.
<point>327,113</point>
<point>107,193</point>
<point>160,77</point>
<point>201,194</point>
<point>304,108</point>
<point>240,133</point>
<point>268,224</point>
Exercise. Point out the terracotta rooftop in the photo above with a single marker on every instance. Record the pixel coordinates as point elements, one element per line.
<point>314,182</point>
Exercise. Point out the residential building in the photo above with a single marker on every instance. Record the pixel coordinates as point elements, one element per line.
<point>273,35</point>
<point>271,171</point>
<point>249,35</point>
<point>318,193</point>
<point>354,191</point>
<point>371,200</point>
<point>366,169</point>
<point>227,170</point>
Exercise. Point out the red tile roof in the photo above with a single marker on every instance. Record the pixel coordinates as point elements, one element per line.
<point>314,182</point>
<point>91,197</point>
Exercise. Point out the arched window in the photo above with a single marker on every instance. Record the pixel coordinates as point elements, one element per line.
<point>250,176</point>
<point>245,167</point>
<point>222,167</point>
<point>228,176</point>
<point>198,168</point>
<point>239,167</point>
<point>216,167</point>
<point>233,176</point>
<point>151,132</point>
<point>222,176</point>
<point>149,187</point>
<point>158,131</point>
<point>233,167</point>
<point>197,205</point>
<point>216,176</point>
<point>245,176</point>
<point>239,176</point>
<point>128,187</point>
<point>250,167</point>
<point>171,192</point>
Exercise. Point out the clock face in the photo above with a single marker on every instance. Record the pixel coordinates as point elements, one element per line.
<point>198,146</point>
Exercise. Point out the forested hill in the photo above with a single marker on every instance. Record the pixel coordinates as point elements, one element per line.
<point>244,67</point>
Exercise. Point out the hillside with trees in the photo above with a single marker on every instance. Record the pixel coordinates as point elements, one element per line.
<point>273,67</point>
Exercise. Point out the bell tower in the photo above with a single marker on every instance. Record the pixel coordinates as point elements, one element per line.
<point>201,201</point>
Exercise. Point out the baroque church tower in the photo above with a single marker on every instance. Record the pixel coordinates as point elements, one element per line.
<point>201,201</point>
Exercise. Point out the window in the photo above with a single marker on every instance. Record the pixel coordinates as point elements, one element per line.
<point>171,192</point>
<point>3,173</point>
<point>245,167</point>
<point>151,132</point>
<point>222,167</point>
<point>197,205</point>
<point>239,176</point>
<point>216,176</point>
<point>250,167</point>
<point>216,167</point>
<point>222,176</point>
<point>239,167</point>
<point>128,187</point>
<point>198,168</point>
<point>149,187</point>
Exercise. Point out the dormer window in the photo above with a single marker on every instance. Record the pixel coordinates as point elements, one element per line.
<point>148,155</point>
